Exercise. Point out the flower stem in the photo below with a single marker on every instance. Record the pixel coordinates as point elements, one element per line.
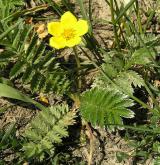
<point>78,67</point>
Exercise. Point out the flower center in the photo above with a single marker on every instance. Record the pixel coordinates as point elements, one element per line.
<point>68,34</point>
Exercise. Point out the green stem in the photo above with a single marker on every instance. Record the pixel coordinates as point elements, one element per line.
<point>38,105</point>
<point>144,105</point>
<point>144,45</point>
<point>78,67</point>
<point>90,10</point>
<point>150,17</point>
<point>119,88</point>
<point>139,17</point>
<point>138,128</point>
<point>139,37</point>
<point>152,96</point>
<point>114,25</point>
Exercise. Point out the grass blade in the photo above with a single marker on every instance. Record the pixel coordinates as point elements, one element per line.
<point>9,92</point>
<point>121,14</point>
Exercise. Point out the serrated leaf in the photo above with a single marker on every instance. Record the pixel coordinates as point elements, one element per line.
<point>6,55</point>
<point>32,57</point>
<point>114,68</point>
<point>27,74</point>
<point>29,148</point>
<point>102,107</point>
<point>142,56</point>
<point>9,29</point>
<point>8,132</point>
<point>49,133</point>
<point>38,53</point>
<point>126,79</point>
<point>35,81</point>
<point>32,47</point>
<point>17,69</point>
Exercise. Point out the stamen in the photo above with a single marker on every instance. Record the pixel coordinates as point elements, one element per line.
<point>69,34</point>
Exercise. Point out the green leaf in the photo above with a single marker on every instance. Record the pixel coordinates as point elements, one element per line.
<point>121,156</point>
<point>114,67</point>
<point>122,12</point>
<point>48,129</point>
<point>102,107</point>
<point>128,78</point>
<point>5,33</point>
<point>35,81</point>
<point>34,65</point>
<point>31,47</point>
<point>17,2</point>
<point>157,160</point>
<point>28,74</point>
<point>8,132</point>
<point>30,149</point>
<point>17,69</point>
<point>6,54</point>
<point>7,91</point>
<point>142,56</point>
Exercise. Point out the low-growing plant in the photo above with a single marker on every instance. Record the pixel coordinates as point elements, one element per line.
<point>47,130</point>
<point>114,96</point>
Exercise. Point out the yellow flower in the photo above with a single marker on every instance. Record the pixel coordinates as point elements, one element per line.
<point>67,32</point>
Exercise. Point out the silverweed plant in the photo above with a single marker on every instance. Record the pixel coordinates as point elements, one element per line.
<point>67,32</point>
<point>76,85</point>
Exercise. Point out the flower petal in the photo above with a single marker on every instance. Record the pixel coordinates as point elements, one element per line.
<point>72,42</point>
<point>81,27</point>
<point>55,28</point>
<point>57,42</point>
<point>68,19</point>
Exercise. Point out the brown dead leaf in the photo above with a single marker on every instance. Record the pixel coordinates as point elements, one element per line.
<point>29,20</point>
<point>26,163</point>
<point>157,83</point>
<point>41,30</point>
